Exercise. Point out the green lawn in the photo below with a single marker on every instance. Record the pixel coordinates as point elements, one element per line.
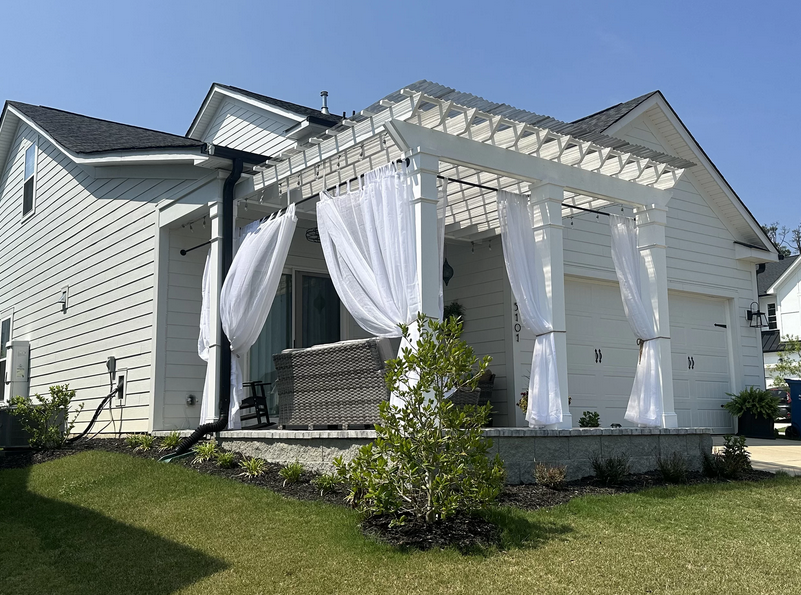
<point>99,522</point>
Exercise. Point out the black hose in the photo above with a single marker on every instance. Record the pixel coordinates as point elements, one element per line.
<point>194,437</point>
<point>94,418</point>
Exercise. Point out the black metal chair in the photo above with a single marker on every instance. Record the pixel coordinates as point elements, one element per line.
<point>258,401</point>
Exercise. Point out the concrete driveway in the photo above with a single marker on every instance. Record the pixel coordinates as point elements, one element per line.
<point>771,455</point>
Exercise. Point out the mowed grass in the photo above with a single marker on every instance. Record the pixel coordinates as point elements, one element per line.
<point>99,522</point>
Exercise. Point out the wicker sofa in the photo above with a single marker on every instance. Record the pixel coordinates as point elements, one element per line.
<point>338,384</point>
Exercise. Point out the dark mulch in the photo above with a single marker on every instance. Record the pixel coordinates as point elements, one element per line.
<point>462,531</point>
<point>532,497</point>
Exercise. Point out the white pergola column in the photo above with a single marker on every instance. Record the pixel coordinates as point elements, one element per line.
<point>423,170</point>
<point>546,216</point>
<point>651,223</point>
<point>216,278</point>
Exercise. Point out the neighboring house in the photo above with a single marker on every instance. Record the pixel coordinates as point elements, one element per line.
<point>779,286</point>
<point>110,208</point>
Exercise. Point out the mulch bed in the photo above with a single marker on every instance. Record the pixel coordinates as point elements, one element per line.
<point>462,531</point>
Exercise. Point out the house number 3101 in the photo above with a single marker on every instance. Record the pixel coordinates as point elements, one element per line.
<point>518,328</point>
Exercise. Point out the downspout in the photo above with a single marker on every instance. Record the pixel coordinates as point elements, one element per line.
<point>227,254</point>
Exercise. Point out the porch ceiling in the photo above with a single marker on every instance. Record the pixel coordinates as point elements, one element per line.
<point>361,144</point>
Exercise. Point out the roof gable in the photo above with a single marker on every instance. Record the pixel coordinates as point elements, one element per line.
<point>681,142</point>
<point>776,273</point>
<point>600,121</point>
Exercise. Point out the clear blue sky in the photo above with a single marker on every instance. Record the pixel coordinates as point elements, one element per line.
<point>731,70</point>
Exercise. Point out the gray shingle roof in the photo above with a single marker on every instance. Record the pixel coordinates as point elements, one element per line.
<point>85,135</point>
<point>286,105</point>
<point>577,130</point>
<point>600,121</point>
<point>772,272</point>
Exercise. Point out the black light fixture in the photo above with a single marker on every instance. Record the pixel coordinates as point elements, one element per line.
<point>447,272</point>
<point>313,235</point>
<point>755,318</point>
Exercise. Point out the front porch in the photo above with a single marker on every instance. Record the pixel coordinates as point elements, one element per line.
<point>475,148</point>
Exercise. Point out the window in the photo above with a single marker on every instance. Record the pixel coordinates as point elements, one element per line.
<point>5,337</point>
<point>772,316</point>
<point>29,181</point>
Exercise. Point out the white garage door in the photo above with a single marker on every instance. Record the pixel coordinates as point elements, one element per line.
<point>601,351</point>
<point>602,356</point>
<point>701,370</point>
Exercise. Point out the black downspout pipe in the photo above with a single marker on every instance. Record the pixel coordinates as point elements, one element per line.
<point>226,256</point>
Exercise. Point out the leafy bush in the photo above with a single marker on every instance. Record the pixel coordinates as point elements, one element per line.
<point>225,459</point>
<point>610,470</point>
<point>326,483</point>
<point>133,440</point>
<point>429,459</point>
<point>291,473</point>
<point>673,468</point>
<point>205,451</point>
<point>171,441</point>
<point>731,462</point>
<point>757,401</point>
<point>145,442</point>
<point>47,421</point>
<point>590,419</point>
<point>252,467</point>
<point>453,310</point>
<point>551,476</point>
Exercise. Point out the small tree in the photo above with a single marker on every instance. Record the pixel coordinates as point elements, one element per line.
<point>47,421</point>
<point>429,459</point>
<point>789,364</point>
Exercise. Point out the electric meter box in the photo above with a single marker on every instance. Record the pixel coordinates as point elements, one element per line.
<point>17,369</point>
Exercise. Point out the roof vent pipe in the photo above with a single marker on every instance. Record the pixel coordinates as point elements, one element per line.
<point>324,95</point>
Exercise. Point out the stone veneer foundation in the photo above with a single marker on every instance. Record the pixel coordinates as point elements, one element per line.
<point>520,448</point>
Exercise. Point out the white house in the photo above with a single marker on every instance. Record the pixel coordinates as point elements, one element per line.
<point>779,286</point>
<point>94,216</point>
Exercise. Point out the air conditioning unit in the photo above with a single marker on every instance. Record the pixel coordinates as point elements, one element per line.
<point>17,369</point>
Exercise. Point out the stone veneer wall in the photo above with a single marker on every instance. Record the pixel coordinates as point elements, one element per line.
<point>520,448</point>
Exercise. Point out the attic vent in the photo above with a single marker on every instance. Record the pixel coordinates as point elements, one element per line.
<point>324,95</point>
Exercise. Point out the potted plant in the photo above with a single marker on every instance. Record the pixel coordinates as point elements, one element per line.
<point>756,409</point>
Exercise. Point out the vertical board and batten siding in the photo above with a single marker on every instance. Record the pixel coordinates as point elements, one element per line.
<point>479,283</point>
<point>242,126</point>
<point>96,237</point>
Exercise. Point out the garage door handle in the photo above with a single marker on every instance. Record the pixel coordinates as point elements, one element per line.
<point>600,357</point>
<point>596,356</point>
<point>689,364</point>
<point>693,360</point>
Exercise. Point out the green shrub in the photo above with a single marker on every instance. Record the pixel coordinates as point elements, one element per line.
<point>326,483</point>
<point>43,420</point>
<point>225,459</point>
<point>291,473</point>
<point>133,440</point>
<point>252,467</point>
<point>610,470</point>
<point>205,451</point>
<point>757,401</point>
<point>145,442</point>
<point>590,419</point>
<point>731,462</point>
<point>171,441</point>
<point>429,459</point>
<point>551,476</point>
<point>673,468</point>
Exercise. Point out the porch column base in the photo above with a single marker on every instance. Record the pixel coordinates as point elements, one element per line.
<point>670,420</point>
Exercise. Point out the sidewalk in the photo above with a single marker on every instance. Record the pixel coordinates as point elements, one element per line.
<point>771,455</point>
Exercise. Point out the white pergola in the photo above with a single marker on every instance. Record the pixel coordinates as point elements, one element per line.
<point>447,134</point>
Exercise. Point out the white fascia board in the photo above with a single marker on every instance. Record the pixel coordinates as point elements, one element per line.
<point>700,156</point>
<point>785,275</point>
<point>753,255</point>
<point>144,157</point>
<point>213,102</point>
<point>485,157</point>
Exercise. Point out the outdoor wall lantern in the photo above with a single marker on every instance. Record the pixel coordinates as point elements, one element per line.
<point>755,318</point>
<point>447,272</point>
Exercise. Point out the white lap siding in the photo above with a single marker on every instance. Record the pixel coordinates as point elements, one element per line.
<point>96,237</point>
<point>243,127</point>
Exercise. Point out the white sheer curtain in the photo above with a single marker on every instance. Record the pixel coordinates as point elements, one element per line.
<point>207,413</point>
<point>246,297</point>
<point>368,240</point>
<point>519,247</point>
<point>645,402</point>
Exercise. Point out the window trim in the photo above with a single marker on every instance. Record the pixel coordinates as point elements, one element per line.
<point>7,314</point>
<point>35,146</point>
<point>773,319</point>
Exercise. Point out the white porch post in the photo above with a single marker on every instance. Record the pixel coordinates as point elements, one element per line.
<point>423,170</point>
<point>546,215</point>
<point>651,223</point>
<point>215,276</point>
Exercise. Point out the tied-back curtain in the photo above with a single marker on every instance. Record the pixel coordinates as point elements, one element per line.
<point>246,297</point>
<point>368,240</point>
<point>519,246</point>
<point>645,402</point>
<point>207,413</point>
